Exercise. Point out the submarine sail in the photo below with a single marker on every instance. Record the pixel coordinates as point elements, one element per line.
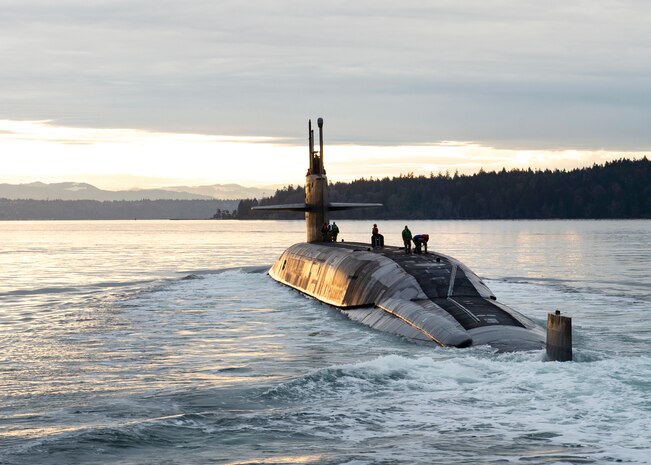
<point>429,297</point>
<point>316,206</point>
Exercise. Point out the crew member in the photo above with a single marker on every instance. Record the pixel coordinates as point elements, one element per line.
<point>324,231</point>
<point>334,230</point>
<point>375,236</point>
<point>420,241</point>
<point>406,238</point>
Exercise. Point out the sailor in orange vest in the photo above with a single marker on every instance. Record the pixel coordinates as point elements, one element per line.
<point>375,239</point>
<point>420,240</point>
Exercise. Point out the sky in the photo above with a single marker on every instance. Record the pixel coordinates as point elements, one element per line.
<point>144,93</point>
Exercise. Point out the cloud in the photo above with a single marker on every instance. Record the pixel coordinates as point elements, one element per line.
<point>507,74</point>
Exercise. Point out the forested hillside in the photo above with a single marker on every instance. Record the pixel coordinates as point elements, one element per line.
<point>618,189</point>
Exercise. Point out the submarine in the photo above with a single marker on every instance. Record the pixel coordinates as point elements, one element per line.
<point>429,298</point>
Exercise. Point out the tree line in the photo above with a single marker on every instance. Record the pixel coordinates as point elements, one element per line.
<point>616,189</point>
<point>115,209</point>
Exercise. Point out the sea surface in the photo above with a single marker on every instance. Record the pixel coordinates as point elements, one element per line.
<point>165,342</point>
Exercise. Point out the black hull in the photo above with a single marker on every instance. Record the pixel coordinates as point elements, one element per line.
<point>430,298</point>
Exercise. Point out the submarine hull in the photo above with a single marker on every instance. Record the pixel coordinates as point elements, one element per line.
<point>429,298</point>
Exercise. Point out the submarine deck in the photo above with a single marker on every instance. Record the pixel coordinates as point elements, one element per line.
<point>445,283</point>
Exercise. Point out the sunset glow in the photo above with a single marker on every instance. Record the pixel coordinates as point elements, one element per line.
<point>122,158</point>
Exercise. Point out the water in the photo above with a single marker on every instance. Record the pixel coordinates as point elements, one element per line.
<point>164,342</point>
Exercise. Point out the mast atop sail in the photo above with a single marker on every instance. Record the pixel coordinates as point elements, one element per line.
<point>316,206</point>
<point>316,156</point>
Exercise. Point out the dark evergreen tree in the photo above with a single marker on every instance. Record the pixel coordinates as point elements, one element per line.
<point>617,189</point>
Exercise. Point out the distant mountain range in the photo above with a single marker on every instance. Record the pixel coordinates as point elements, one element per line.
<point>83,191</point>
<point>227,191</point>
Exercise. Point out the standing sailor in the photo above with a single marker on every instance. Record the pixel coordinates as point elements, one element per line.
<point>377,239</point>
<point>324,231</point>
<point>334,230</point>
<point>406,238</point>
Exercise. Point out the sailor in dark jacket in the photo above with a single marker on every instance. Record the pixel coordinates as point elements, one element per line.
<point>406,238</point>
